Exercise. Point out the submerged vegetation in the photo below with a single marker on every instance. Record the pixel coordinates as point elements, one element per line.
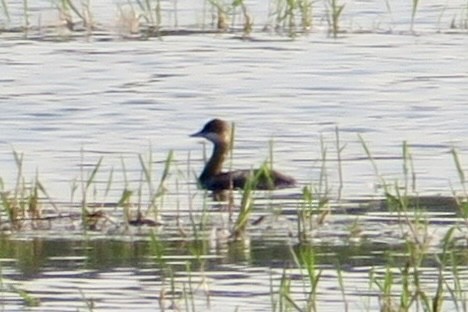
<point>141,19</point>
<point>418,268</point>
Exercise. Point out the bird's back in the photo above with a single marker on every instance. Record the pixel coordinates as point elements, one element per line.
<point>260,179</point>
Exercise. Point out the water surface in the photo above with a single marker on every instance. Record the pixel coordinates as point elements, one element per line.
<point>68,101</point>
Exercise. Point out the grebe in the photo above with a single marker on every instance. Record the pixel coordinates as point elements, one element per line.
<point>212,178</point>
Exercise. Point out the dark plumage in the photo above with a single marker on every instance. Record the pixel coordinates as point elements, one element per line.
<point>212,178</point>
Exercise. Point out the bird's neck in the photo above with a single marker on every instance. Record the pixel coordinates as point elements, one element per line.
<point>214,166</point>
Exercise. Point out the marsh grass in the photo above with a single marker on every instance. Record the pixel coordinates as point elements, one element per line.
<point>220,12</point>
<point>284,301</point>
<point>158,251</point>
<point>247,18</point>
<point>314,205</point>
<point>156,193</point>
<point>23,204</point>
<point>246,206</point>
<point>175,290</point>
<point>28,205</point>
<point>152,15</point>
<point>128,23</point>
<point>260,176</point>
<point>402,286</point>
<point>400,282</point>
<point>88,182</point>
<point>28,299</point>
<point>67,8</point>
<point>143,19</point>
<point>306,259</point>
<point>335,10</point>
<point>291,16</point>
<point>339,150</point>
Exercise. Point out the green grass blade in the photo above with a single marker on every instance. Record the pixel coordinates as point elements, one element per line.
<point>5,10</point>
<point>91,178</point>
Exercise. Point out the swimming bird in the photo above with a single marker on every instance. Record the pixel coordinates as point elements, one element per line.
<point>213,178</point>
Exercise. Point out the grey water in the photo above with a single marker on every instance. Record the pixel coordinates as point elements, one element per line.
<point>67,102</point>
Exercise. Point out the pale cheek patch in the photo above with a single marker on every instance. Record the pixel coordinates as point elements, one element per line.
<point>213,137</point>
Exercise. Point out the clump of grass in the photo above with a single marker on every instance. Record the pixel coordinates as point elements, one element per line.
<point>284,301</point>
<point>288,13</point>
<point>306,9</point>
<point>311,214</point>
<point>158,251</point>
<point>128,21</point>
<point>220,12</point>
<point>403,288</point>
<point>67,8</point>
<point>156,192</point>
<point>172,290</point>
<point>314,206</point>
<point>28,299</point>
<point>151,14</point>
<point>246,207</point>
<point>334,13</point>
<point>401,285</point>
<point>22,204</point>
<point>305,260</point>
<point>248,21</point>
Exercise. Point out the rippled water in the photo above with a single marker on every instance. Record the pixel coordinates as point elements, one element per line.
<point>68,101</point>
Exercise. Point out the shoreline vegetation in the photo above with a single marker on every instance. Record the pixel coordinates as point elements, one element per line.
<point>397,280</point>
<point>144,19</point>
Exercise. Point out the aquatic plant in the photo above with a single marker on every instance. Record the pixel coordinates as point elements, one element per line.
<point>306,258</point>
<point>402,277</point>
<point>155,193</point>
<point>284,302</point>
<point>339,150</point>
<point>151,12</point>
<point>414,9</point>
<point>288,13</point>
<point>28,299</point>
<point>221,12</point>
<point>248,22</point>
<point>334,13</point>
<point>246,206</point>
<point>89,181</point>
<point>306,9</point>
<point>22,204</point>
<point>142,19</point>
<point>460,171</point>
<point>314,205</point>
<point>67,7</point>
<point>398,278</point>
<point>128,21</point>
